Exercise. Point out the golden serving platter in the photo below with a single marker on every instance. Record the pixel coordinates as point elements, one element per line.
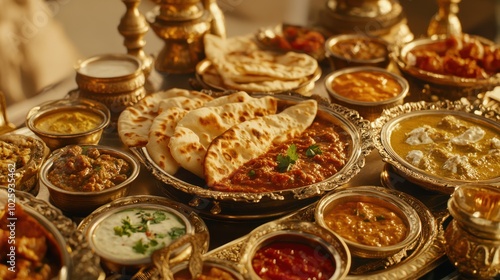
<point>190,189</point>
<point>413,264</point>
<point>86,265</point>
<point>209,78</point>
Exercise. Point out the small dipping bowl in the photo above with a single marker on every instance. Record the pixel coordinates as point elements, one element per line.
<point>369,90</point>
<point>373,222</point>
<point>68,121</point>
<point>327,255</point>
<point>351,50</point>
<point>79,202</point>
<point>111,233</point>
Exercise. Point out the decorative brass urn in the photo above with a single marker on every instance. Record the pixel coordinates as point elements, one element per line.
<point>181,24</point>
<point>473,236</point>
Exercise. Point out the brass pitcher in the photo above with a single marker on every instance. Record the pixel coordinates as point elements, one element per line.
<point>181,24</point>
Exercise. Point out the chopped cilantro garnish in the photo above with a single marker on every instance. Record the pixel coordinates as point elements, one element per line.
<point>313,150</point>
<point>285,162</point>
<point>176,232</point>
<point>140,247</point>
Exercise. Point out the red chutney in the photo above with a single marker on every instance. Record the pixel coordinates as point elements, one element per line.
<point>262,174</point>
<point>292,261</point>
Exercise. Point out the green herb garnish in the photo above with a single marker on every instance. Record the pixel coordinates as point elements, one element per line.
<point>285,162</point>
<point>251,173</point>
<point>176,232</point>
<point>146,219</point>
<point>140,247</point>
<point>313,150</point>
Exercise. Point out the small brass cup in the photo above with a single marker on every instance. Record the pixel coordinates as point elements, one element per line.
<point>116,80</point>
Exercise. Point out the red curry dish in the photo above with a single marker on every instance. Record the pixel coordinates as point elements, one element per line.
<point>292,261</point>
<point>88,170</point>
<point>317,154</point>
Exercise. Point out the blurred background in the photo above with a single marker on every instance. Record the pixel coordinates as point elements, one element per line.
<point>42,40</point>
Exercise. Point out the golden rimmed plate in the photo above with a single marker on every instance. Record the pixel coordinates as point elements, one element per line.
<point>192,190</point>
<point>481,115</point>
<point>84,264</point>
<point>209,78</point>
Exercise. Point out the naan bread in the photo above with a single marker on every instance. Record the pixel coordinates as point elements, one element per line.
<point>199,127</point>
<point>241,65</point>
<point>252,138</point>
<point>162,129</point>
<point>171,111</point>
<point>134,122</point>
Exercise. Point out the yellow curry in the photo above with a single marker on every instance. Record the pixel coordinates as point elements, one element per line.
<point>448,146</point>
<point>69,121</point>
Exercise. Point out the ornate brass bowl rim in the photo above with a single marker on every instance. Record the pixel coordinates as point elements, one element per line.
<point>391,116</point>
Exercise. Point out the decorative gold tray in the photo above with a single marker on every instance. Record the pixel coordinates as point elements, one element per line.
<point>416,263</point>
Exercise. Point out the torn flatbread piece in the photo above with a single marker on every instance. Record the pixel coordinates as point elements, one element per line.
<point>252,138</point>
<point>199,127</point>
<point>162,129</point>
<point>135,121</point>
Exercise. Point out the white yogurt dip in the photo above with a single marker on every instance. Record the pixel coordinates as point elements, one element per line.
<point>135,233</point>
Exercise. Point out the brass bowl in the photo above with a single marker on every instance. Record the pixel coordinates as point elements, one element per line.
<point>325,244</point>
<point>351,50</point>
<point>83,263</point>
<point>55,139</point>
<point>391,119</point>
<point>129,265</point>
<point>27,219</point>
<point>21,177</point>
<point>82,202</point>
<point>439,86</point>
<point>382,198</point>
<point>116,80</point>
<point>368,109</point>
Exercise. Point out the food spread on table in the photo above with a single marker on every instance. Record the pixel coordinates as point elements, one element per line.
<point>255,133</point>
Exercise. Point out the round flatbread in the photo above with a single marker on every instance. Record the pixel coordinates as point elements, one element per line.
<point>241,65</point>
<point>252,138</point>
<point>199,127</point>
<point>134,122</point>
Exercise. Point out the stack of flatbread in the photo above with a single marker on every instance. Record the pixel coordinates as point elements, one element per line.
<point>237,63</point>
<point>210,137</point>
